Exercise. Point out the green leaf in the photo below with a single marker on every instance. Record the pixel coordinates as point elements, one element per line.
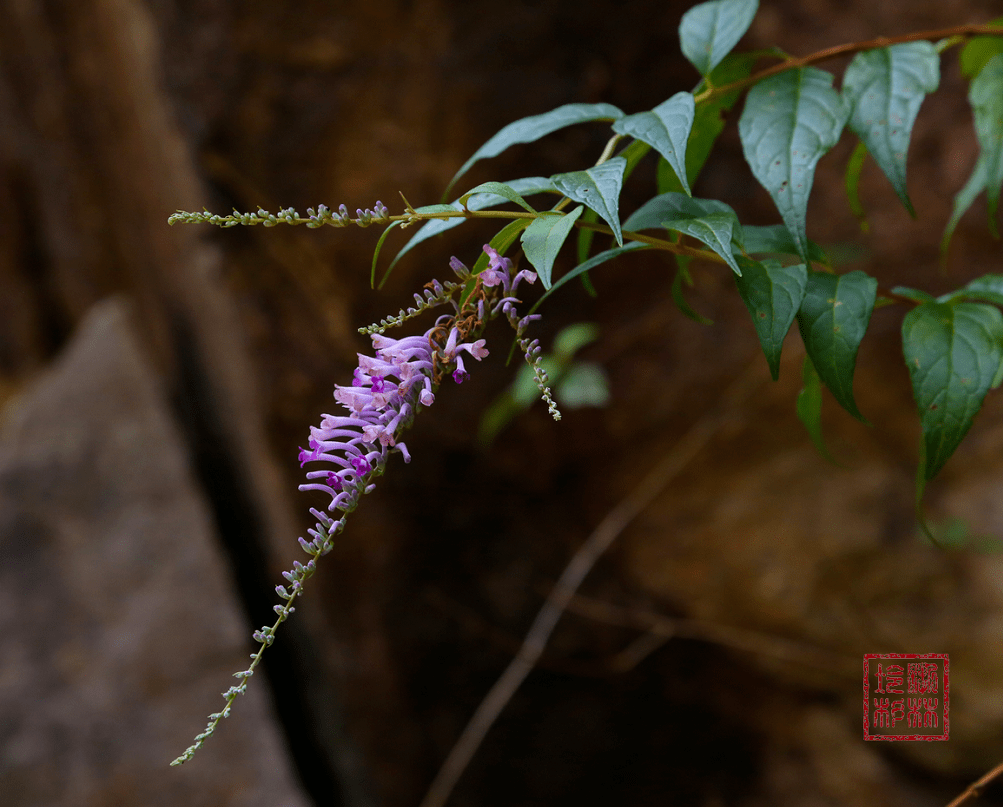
<point>435,209</point>
<point>584,244</point>
<point>986,97</point>
<point>853,168</point>
<point>683,277</point>
<point>773,295</point>
<point>709,31</point>
<point>497,189</point>
<point>988,288</point>
<point>666,128</point>
<point>713,229</point>
<point>590,264</point>
<point>633,155</point>
<point>708,220</point>
<point>775,239</point>
<point>543,239</point>
<point>573,338</point>
<point>376,255</point>
<point>916,295</point>
<point>790,120</point>
<point>528,130</point>
<point>809,407</point>
<point>584,383</point>
<point>962,201</point>
<point>673,205</point>
<point>597,188</point>
<point>953,354</point>
<point>585,236</point>
<point>708,121</point>
<point>665,178</point>
<point>885,88</point>
<point>832,319</point>
<point>526,186</point>
<point>980,50</point>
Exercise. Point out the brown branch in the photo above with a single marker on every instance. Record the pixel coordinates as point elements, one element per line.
<point>973,789</point>
<point>581,563</point>
<point>794,62</point>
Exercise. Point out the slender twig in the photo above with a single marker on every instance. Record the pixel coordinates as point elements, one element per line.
<point>750,641</point>
<point>795,62</point>
<point>581,563</point>
<point>972,791</point>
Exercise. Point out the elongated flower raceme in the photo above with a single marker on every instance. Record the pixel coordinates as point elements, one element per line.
<point>387,391</point>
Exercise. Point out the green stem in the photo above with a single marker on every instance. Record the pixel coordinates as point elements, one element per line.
<point>659,243</point>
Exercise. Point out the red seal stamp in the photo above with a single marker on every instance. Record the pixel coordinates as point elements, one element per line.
<point>906,696</point>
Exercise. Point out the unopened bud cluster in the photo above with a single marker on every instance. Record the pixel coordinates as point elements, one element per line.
<point>323,215</point>
<point>436,293</point>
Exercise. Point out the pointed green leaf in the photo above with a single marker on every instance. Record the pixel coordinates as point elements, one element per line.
<point>832,319</point>
<point>854,166</point>
<point>633,154</point>
<point>573,338</point>
<point>708,121</point>
<point>962,201</point>
<point>683,276</point>
<point>584,383</point>
<point>480,198</point>
<point>713,229</point>
<point>986,97</point>
<point>988,288</point>
<point>953,354</point>
<point>543,239</point>
<point>916,295</point>
<point>528,130</point>
<point>426,231</point>
<point>585,236</point>
<point>590,264</point>
<point>497,189</point>
<point>527,186</point>
<point>666,128</point>
<point>776,239</point>
<point>709,31</point>
<point>712,222</point>
<point>773,295</point>
<point>809,407</point>
<point>376,255</point>
<point>884,88</point>
<point>597,188</point>
<point>790,120</point>
<point>979,51</point>
<point>435,209</point>
<point>673,205</point>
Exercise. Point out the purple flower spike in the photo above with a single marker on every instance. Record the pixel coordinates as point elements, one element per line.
<point>389,385</point>
<point>381,403</point>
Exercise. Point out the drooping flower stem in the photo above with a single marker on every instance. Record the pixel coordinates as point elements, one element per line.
<point>386,392</point>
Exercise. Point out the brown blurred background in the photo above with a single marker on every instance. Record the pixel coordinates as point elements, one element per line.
<point>157,382</point>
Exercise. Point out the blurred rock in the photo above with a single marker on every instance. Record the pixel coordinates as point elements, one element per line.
<point>118,615</point>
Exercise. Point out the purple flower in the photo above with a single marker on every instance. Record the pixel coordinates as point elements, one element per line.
<point>387,388</point>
